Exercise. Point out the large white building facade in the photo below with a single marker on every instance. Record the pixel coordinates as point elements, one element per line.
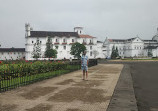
<point>134,47</point>
<point>62,42</point>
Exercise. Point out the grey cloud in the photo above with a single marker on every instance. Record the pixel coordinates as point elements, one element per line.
<point>100,18</point>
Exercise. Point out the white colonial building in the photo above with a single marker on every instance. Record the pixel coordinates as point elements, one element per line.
<point>62,42</point>
<point>12,53</point>
<point>134,47</point>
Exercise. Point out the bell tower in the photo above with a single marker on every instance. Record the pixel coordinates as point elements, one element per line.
<point>79,30</point>
<point>28,29</point>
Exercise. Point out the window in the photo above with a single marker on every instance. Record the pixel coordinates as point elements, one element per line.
<point>40,42</point>
<point>64,40</point>
<point>64,47</point>
<point>72,40</point>
<point>32,41</point>
<point>56,47</point>
<point>91,53</point>
<point>90,47</point>
<point>120,53</point>
<point>56,40</point>
<point>90,41</point>
<point>14,53</point>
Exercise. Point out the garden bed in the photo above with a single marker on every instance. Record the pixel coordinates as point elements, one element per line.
<point>14,74</point>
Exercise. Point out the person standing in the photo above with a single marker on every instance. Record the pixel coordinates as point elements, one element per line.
<point>84,65</point>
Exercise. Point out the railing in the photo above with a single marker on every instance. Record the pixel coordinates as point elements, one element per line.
<point>13,79</point>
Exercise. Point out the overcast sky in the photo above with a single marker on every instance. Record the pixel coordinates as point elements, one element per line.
<point>117,19</point>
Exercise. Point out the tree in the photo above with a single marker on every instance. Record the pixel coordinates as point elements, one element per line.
<point>114,53</point>
<point>37,49</point>
<point>49,44</point>
<point>117,53</point>
<point>95,53</point>
<point>150,54</point>
<point>50,52</point>
<point>77,49</point>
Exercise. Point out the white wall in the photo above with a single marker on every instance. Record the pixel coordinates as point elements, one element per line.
<point>62,53</point>
<point>12,55</point>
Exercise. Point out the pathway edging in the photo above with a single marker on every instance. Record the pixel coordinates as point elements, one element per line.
<point>123,98</point>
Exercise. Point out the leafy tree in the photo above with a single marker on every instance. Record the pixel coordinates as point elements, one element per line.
<point>117,53</point>
<point>95,53</point>
<point>150,54</point>
<point>114,53</point>
<point>77,49</point>
<point>50,52</point>
<point>49,44</point>
<point>37,49</point>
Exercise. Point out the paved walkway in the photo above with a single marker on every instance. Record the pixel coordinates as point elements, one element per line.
<point>66,93</point>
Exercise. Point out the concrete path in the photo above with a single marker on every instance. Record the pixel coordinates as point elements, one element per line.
<point>66,93</point>
<point>123,98</point>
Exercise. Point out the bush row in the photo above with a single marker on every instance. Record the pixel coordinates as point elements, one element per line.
<point>29,68</point>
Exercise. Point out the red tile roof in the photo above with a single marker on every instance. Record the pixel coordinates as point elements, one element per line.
<point>110,40</point>
<point>86,36</point>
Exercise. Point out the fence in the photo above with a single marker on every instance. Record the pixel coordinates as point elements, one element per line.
<point>14,79</point>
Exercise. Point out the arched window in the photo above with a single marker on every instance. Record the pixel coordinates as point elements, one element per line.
<point>56,40</point>
<point>90,47</point>
<point>91,53</point>
<point>64,40</point>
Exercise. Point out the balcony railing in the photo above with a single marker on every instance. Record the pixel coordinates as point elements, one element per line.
<point>84,43</point>
<point>71,43</point>
<point>56,43</point>
<point>91,43</point>
<point>64,43</point>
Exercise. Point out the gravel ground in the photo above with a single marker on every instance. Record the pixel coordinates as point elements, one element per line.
<point>66,93</point>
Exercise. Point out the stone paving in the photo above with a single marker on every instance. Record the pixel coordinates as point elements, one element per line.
<point>67,92</point>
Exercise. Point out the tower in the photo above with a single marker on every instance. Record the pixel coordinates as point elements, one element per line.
<point>27,29</point>
<point>156,36</point>
<point>79,30</point>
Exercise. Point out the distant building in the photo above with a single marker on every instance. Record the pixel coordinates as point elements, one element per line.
<point>12,53</point>
<point>133,47</point>
<point>62,42</point>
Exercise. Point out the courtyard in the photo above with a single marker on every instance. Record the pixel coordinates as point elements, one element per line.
<point>66,93</point>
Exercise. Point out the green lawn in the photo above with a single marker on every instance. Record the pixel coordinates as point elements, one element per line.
<point>140,59</point>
